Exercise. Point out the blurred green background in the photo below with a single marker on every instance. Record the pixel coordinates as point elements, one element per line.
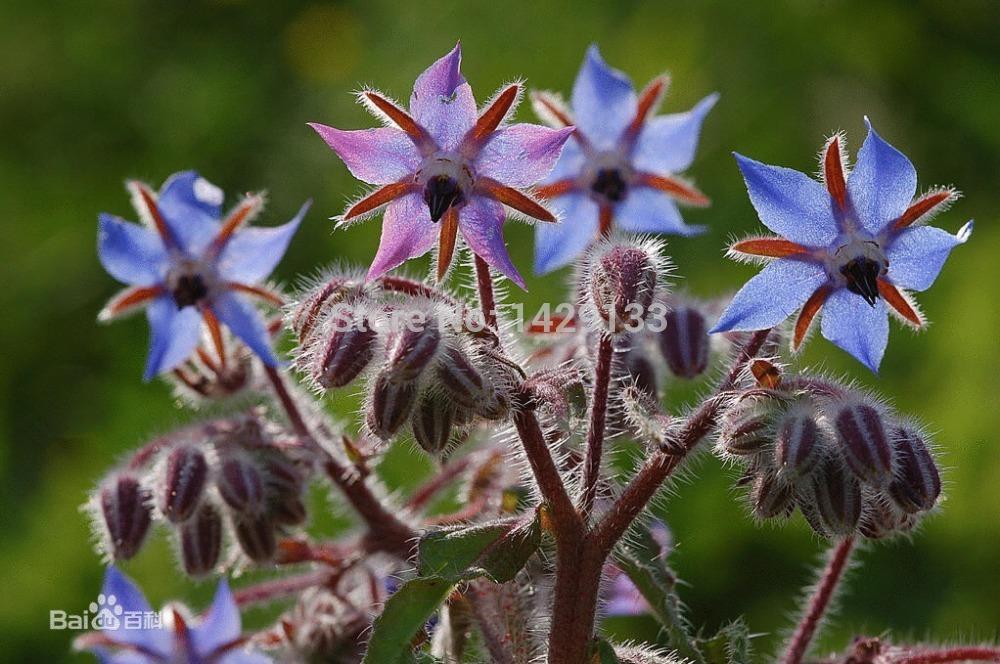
<point>92,93</point>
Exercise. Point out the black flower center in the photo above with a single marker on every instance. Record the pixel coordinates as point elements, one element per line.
<point>862,275</point>
<point>610,184</point>
<point>440,193</point>
<point>189,290</point>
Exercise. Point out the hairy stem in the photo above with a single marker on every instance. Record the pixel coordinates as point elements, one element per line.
<point>564,516</point>
<point>598,418</point>
<point>819,602</point>
<point>487,299</point>
<point>578,581</point>
<point>957,654</point>
<point>273,589</point>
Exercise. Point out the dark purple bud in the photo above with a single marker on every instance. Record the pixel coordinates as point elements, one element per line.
<point>836,499</point>
<point>412,349</point>
<point>797,445</point>
<point>125,508</point>
<point>311,309</point>
<point>201,541</point>
<point>771,497</point>
<point>881,520</point>
<point>622,286</point>
<point>241,485</point>
<point>390,404</point>
<point>346,353</point>
<point>289,511</point>
<point>255,535</point>
<point>494,405</point>
<point>431,423</point>
<point>684,342</point>
<point>864,443</point>
<point>917,484</point>
<point>640,369</point>
<point>745,432</point>
<point>184,481</point>
<point>281,475</point>
<point>458,375</point>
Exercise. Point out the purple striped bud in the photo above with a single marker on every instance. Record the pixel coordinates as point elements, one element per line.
<point>184,481</point>
<point>289,512</point>
<point>412,349</point>
<point>493,406</point>
<point>349,348</point>
<point>241,485</point>
<point>745,431</point>
<point>124,504</point>
<point>622,285</point>
<point>882,520</point>
<point>431,423</point>
<point>201,541</point>
<point>917,484</point>
<point>281,475</point>
<point>797,446</point>
<point>771,497</point>
<point>684,342</point>
<point>640,369</point>
<point>864,443</point>
<point>390,404</point>
<point>308,312</point>
<point>836,500</point>
<point>255,535</point>
<point>460,377</point>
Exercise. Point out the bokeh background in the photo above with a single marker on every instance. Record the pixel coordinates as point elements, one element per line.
<point>92,93</point>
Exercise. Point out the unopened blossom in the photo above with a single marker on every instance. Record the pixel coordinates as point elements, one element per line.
<point>191,268</point>
<point>851,246</point>
<point>132,633</point>
<point>444,168</point>
<point>622,165</point>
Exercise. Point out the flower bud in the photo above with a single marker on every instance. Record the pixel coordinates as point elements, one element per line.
<point>347,351</point>
<point>124,506</point>
<point>185,477</point>
<point>460,378</point>
<point>240,484</point>
<point>255,535</point>
<point>310,310</point>
<point>745,431</point>
<point>622,285</point>
<point>684,342</point>
<point>836,500</point>
<point>639,368</point>
<point>281,475</point>
<point>390,404</point>
<point>431,423</point>
<point>864,443</point>
<point>771,496</point>
<point>412,349</point>
<point>797,444</point>
<point>201,541</point>
<point>881,520</point>
<point>290,511</point>
<point>917,484</point>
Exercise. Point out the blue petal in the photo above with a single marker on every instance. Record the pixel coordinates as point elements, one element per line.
<point>245,322</point>
<point>244,657</point>
<point>221,625</point>
<point>604,101</point>
<point>559,244</point>
<point>771,296</point>
<point>174,335</point>
<point>481,224</point>
<point>882,183</point>
<point>667,143</point>
<point>129,252</point>
<point>442,101</point>
<point>570,164</point>
<point>252,253</point>
<point>191,206</point>
<point>917,254</point>
<point>128,596</point>
<point>647,210</point>
<point>856,326</point>
<point>790,203</point>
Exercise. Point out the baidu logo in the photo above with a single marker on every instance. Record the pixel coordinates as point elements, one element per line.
<point>105,614</point>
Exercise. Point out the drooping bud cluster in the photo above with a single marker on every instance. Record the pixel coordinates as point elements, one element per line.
<point>847,461</point>
<point>229,475</point>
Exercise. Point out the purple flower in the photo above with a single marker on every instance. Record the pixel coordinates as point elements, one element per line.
<point>132,633</point>
<point>443,162</point>
<point>850,247</point>
<point>622,164</point>
<point>189,267</point>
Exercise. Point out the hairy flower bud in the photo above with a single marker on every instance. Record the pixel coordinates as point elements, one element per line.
<point>201,541</point>
<point>864,443</point>
<point>881,520</point>
<point>255,535</point>
<point>431,423</point>
<point>311,309</point>
<point>460,377</point>
<point>835,505</point>
<point>637,367</point>
<point>745,431</point>
<point>771,496</point>
<point>917,484</point>
<point>185,476</point>
<point>412,349</point>
<point>290,511</point>
<point>349,348</point>
<point>797,445</point>
<point>240,484</point>
<point>390,404</point>
<point>684,342</point>
<point>124,504</point>
<point>622,285</point>
<point>281,475</point>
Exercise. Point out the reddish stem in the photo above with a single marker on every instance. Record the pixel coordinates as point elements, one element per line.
<point>598,418</point>
<point>819,602</point>
<point>958,654</point>
<point>564,515</point>
<point>273,589</point>
<point>424,493</point>
<point>487,300</point>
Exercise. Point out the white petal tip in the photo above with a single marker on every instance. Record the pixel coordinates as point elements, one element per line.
<point>965,231</point>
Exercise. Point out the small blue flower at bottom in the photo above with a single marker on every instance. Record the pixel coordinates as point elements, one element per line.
<point>851,248</point>
<point>136,634</point>
<point>188,266</point>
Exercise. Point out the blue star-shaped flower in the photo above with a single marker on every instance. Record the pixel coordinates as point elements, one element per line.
<point>622,164</point>
<point>187,266</point>
<point>850,247</point>
<point>132,633</point>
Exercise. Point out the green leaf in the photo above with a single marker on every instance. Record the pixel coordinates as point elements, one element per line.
<point>402,617</point>
<point>496,550</point>
<point>731,645</point>
<point>602,652</point>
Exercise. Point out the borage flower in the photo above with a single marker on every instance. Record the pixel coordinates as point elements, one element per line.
<point>622,164</point>
<point>188,267</point>
<point>441,169</point>
<point>132,633</point>
<point>849,248</point>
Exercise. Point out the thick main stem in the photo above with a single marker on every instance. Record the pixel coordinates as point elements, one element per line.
<point>598,418</point>
<point>578,581</point>
<point>819,602</point>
